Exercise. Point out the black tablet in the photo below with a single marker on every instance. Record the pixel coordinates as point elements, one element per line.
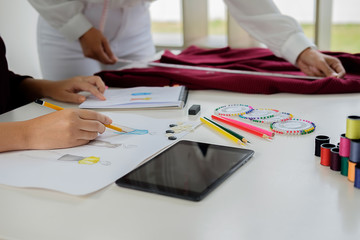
<point>187,170</point>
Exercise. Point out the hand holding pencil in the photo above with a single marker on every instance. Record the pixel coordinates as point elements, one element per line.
<point>57,108</point>
<point>76,126</point>
<point>63,129</point>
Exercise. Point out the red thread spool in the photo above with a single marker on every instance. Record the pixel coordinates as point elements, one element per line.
<point>325,154</point>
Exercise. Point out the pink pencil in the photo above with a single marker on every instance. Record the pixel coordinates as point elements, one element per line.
<point>245,126</point>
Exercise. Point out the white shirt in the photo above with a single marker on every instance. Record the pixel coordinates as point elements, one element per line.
<point>264,22</point>
<point>260,18</point>
<point>67,15</point>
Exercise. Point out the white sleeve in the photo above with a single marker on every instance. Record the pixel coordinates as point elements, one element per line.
<point>64,15</point>
<point>263,21</point>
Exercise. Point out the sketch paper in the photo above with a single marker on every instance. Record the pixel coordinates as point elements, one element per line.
<point>108,158</point>
<point>137,97</point>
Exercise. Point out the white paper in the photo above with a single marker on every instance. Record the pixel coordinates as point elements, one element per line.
<point>137,97</point>
<point>119,154</point>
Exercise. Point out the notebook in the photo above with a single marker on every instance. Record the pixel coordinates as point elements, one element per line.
<point>140,97</point>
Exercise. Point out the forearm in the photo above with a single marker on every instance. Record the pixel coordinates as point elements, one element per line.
<point>38,88</point>
<point>13,136</point>
<point>66,90</point>
<point>34,88</point>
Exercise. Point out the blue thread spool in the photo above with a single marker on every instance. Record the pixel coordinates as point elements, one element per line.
<point>355,151</point>
<point>357,176</point>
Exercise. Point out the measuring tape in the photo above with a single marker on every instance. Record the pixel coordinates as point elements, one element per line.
<point>208,69</point>
<point>244,72</point>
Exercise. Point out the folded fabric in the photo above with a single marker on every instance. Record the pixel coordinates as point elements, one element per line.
<point>252,59</point>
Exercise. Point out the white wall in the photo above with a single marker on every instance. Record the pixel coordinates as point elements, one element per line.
<point>18,29</point>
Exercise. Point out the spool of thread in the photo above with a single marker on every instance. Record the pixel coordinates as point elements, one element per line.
<point>344,165</point>
<point>353,127</point>
<point>351,171</point>
<point>320,139</point>
<point>357,176</point>
<point>325,154</point>
<point>344,147</point>
<point>355,151</point>
<point>335,163</point>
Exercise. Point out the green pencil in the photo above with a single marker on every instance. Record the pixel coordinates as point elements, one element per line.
<point>242,138</point>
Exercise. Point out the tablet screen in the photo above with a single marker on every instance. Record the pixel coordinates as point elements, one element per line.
<point>188,170</point>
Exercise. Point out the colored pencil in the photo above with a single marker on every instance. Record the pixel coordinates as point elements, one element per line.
<point>242,138</point>
<point>221,131</point>
<point>55,107</point>
<point>246,127</point>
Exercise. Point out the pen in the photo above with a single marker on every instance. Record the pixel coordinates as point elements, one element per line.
<point>246,127</point>
<point>221,131</point>
<point>55,107</point>
<point>242,138</point>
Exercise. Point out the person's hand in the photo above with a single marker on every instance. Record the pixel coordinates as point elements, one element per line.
<point>67,90</point>
<point>96,46</point>
<point>314,63</point>
<point>63,129</point>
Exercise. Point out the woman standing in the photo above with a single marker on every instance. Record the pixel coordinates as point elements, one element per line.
<point>104,30</point>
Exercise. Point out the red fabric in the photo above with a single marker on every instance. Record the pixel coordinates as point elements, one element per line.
<point>254,59</point>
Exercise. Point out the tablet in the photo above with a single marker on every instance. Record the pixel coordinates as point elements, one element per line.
<point>187,170</point>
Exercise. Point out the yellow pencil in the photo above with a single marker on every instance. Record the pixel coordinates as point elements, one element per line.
<point>49,105</point>
<point>113,127</point>
<point>221,131</point>
<point>55,107</point>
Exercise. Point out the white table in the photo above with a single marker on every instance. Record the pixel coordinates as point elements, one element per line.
<point>281,193</point>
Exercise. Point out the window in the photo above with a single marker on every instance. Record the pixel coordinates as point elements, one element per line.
<point>303,12</point>
<point>332,24</point>
<point>217,27</point>
<point>167,27</point>
<point>345,29</point>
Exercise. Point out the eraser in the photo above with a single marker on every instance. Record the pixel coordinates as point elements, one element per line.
<point>194,109</point>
